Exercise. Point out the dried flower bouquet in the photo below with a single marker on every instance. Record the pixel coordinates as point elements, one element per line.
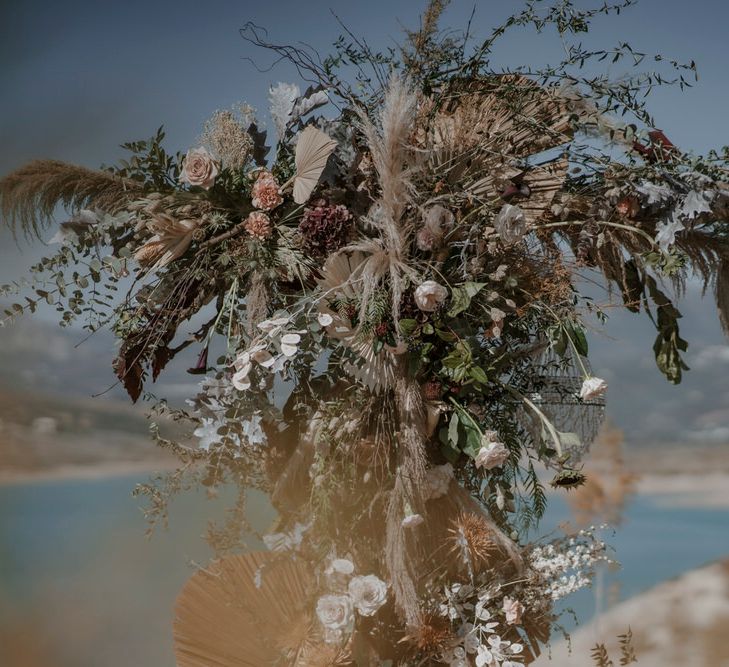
<point>397,286</point>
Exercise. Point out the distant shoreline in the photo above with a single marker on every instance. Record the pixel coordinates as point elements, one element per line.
<point>80,472</point>
<point>709,490</point>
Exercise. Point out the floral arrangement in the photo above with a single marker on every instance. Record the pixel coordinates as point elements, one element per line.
<point>396,292</point>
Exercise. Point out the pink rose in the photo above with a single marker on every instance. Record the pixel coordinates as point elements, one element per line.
<point>199,168</point>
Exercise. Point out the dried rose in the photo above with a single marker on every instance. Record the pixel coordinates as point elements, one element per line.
<point>368,594</point>
<point>199,168</point>
<point>430,295</point>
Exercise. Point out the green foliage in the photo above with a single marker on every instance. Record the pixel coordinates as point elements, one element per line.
<point>150,164</point>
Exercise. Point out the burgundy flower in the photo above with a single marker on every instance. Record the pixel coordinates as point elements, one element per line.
<point>325,227</point>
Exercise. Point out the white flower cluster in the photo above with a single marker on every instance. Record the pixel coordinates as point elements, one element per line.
<point>682,209</point>
<point>288,541</point>
<point>481,643</point>
<point>285,344</point>
<point>568,569</point>
<point>213,401</point>
<point>363,594</point>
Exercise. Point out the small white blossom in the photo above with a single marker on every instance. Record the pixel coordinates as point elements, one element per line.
<point>592,387</point>
<point>513,609</point>
<point>412,520</point>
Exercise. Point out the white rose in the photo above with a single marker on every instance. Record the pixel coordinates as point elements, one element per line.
<point>334,611</point>
<point>430,295</point>
<point>513,610</point>
<point>592,387</point>
<point>491,455</point>
<point>510,224</point>
<point>199,168</point>
<point>368,594</point>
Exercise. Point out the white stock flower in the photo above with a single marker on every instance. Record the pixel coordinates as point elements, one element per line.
<point>368,594</point>
<point>334,611</point>
<point>491,455</point>
<point>281,100</point>
<point>592,387</point>
<point>430,295</point>
<point>288,541</point>
<point>341,566</point>
<point>666,231</point>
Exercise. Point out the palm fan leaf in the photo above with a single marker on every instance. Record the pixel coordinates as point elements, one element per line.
<point>340,277</point>
<point>506,116</point>
<point>545,181</point>
<point>312,152</point>
<point>29,195</point>
<point>224,619</point>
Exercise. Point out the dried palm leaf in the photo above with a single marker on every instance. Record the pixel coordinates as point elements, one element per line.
<point>312,152</point>
<point>29,195</point>
<point>243,611</point>
<point>341,280</point>
<point>544,182</point>
<point>171,240</point>
<point>506,117</point>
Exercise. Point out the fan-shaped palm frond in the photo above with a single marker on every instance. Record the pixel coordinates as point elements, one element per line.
<point>243,611</point>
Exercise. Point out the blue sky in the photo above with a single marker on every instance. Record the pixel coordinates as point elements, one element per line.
<point>81,76</point>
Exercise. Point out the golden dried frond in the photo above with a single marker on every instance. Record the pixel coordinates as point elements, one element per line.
<point>323,655</point>
<point>240,611</point>
<point>432,637</point>
<point>472,537</point>
<point>29,195</point>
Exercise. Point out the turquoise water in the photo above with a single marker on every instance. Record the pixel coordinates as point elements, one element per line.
<point>81,585</point>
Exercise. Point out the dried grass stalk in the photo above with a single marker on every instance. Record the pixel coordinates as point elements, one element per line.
<point>29,195</point>
<point>394,163</point>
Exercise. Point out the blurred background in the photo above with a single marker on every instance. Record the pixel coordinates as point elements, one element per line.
<point>80,583</point>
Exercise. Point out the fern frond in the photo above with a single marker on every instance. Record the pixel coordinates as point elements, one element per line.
<point>627,652</point>
<point>600,656</point>
<point>29,195</point>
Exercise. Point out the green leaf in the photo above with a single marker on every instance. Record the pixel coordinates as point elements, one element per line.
<point>407,327</point>
<point>478,374</point>
<point>461,297</point>
<point>577,334</point>
<point>453,430</point>
<point>446,336</point>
